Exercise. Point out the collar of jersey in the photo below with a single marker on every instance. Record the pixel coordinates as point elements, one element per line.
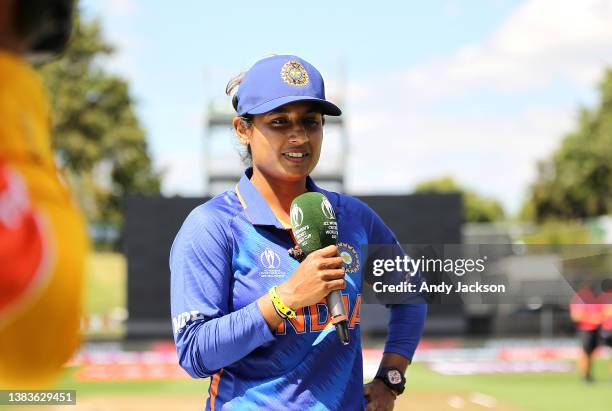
<point>255,207</point>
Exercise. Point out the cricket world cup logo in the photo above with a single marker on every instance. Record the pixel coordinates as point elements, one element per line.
<point>297,216</point>
<point>328,210</point>
<point>269,259</point>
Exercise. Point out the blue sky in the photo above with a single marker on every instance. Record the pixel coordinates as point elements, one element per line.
<point>477,89</point>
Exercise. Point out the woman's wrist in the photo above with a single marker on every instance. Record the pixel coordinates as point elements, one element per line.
<point>394,360</point>
<point>269,313</point>
<point>287,297</point>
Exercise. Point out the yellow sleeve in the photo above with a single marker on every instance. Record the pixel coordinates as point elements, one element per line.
<point>42,334</point>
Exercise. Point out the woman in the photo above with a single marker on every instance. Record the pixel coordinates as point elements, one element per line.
<point>244,311</point>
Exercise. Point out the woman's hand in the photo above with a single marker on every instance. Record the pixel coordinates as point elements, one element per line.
<point>379,397</point>
<point>319,274</point>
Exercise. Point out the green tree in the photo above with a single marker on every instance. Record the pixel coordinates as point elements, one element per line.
<point>476,209</point>
<point>97,137</point>
<point>576,182</point>
<point>559,232</point>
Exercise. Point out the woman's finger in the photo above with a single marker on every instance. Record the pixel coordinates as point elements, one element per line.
<point>333,274</point>
<point>331,262</point>
<point>329,251</point>
<point>335,285</point>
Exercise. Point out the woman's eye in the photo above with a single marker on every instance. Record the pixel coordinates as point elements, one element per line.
<point>311,122</point>
<point>277,121</point>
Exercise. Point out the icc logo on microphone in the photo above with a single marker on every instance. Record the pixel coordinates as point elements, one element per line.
<point>297,216</point>
<point>328,210</point>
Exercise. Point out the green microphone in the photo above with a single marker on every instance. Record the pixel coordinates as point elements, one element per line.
<point>314,226</point>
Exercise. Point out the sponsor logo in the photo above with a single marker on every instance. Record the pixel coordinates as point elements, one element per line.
<point>297,216</point>
<point>328,210</point>
<point>270,261</point>
<point>184,319</point>
<point>350,258</point>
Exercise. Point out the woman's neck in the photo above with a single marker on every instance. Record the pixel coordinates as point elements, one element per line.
<point>278,194</point>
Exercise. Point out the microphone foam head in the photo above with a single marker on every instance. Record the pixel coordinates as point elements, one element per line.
<point>313,221</point>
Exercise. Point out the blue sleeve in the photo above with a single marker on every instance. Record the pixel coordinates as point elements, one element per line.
<point>406,321</point>
<point>208,336</point>
<point>405,328</point>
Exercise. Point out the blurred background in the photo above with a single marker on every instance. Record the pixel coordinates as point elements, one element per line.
<point>487,122</point>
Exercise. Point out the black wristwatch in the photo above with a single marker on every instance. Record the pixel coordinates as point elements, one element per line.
<point>393,378</point>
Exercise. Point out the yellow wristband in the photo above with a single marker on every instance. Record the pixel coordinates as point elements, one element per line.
<point>280,307</point>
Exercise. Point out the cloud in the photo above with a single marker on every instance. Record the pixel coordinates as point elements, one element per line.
<point>120,8</point>
<point>481,151</point>
<point>542,41</point>
<point>488,111</point>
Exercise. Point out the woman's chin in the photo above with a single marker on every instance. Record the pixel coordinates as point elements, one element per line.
<point>296,170</point>
<point>288,173</point>
<point>294,177</point>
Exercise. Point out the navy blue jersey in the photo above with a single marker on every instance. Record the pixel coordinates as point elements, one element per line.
<point>229,252</point>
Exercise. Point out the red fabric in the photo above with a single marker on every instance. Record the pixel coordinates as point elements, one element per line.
<point>607,311</point>
<point>21,242</point>
<point>586,309</point>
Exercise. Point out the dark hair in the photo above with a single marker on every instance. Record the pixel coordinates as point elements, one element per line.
<point>246,120</point>
<point>45,25</point>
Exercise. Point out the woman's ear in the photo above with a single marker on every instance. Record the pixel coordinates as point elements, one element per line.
<point>244,133</point>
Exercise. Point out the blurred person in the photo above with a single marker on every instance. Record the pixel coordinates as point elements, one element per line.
<point>246,313</point>
<point>42,234</point>
<point>606,326</point>
<point>591,310</point>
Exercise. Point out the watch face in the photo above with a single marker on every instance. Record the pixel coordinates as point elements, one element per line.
<point>394,377</point>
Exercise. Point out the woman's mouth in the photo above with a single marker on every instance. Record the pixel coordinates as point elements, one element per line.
<point>296,157</point>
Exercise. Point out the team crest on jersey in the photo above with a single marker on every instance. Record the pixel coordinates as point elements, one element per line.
<point>294,73</point>
<point>350,258</point>
<point>270,261</point>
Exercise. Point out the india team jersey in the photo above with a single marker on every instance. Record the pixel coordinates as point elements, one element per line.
<point>229,252</point>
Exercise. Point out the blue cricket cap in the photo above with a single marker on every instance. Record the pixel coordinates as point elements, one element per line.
<point>279,80</point>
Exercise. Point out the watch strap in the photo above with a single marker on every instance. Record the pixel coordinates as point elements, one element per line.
<point>397,384</point>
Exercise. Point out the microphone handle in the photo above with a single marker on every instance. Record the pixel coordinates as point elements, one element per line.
<point>337,310</point>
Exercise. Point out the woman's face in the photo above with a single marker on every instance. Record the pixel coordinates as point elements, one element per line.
<point>286,143</point>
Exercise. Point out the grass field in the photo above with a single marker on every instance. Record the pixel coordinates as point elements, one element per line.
<point>105,283</point>
<point>426,390</point>
<point>105,294</point>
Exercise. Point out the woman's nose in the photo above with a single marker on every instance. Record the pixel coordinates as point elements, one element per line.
<point>298,134</point>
